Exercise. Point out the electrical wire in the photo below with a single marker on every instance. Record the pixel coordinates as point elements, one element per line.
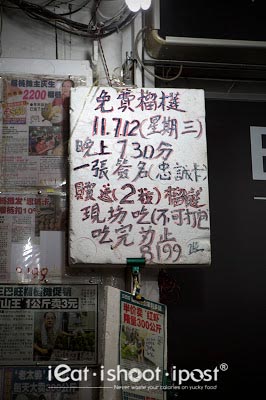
<point>104,63</point>
<point>5,6</point>
<point>121,12</point>
<point>138,37</point>
<point>76,10</point>
<point>49,3</point>
<point>95,11</point>
<point>42,14</point>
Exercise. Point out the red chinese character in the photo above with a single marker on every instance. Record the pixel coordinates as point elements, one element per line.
<point>127,318</point>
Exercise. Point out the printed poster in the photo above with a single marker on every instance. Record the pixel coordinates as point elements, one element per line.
<point>142,348</point>
<point>32,236</point>
<point>47,324</point>
<point>31,383</point>
<point>138,176</point>
<point>34,130</point>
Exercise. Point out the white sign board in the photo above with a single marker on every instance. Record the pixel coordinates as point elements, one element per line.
<point>138,176</point>
<point>258,152</point>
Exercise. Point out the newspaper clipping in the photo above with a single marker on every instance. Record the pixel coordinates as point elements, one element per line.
<point>31,383</point>
<point>48,323</point>
<point>32,236</point>
<point>35,130</point>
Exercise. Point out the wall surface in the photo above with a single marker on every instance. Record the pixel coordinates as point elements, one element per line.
<point>25,39</point>
<point>220,315</point>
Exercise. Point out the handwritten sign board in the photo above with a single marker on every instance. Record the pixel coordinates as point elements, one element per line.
<point>138,176</point>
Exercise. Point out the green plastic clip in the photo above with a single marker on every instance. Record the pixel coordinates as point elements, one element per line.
<point>135,264</point>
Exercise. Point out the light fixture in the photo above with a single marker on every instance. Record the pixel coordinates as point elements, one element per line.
<point>136,5</point>
<point>133,5</point>
<point>145,4</point>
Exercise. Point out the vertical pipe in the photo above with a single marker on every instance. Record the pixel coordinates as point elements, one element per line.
<point>112,45</point>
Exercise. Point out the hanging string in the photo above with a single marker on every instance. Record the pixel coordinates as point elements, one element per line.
<point>104,62</point>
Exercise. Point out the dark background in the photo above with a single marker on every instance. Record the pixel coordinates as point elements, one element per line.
<point>220,316</point>
<point>234,19</point>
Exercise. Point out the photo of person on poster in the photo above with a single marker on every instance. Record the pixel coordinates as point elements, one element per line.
<point>45,141</point>
<point>63,334</point>
<point>48,337</point>
<point>42,147</point>
<point>59,108</point>
<point>65,102</point>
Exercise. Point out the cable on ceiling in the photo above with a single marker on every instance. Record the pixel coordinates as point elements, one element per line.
<point>91,30</point>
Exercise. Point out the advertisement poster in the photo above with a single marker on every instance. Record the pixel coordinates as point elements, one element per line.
<point>32,236</point>
<point>138,176</point>
<point>35,130</point>
<point>48,323</point>
<point>142,348</point>
<point>31,383</point>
